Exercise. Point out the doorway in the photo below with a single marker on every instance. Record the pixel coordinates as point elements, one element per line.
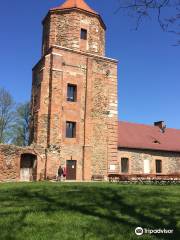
<point>71,169</point>
<point>28,167</point>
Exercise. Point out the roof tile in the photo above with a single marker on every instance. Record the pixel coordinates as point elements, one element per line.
<point>133,135</point>
<point>80,4</point>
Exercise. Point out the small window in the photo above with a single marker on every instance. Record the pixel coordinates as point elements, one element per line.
<point>158,166</point>
<point>71,93</point>
<point>124,165</point>
<point>83,34</point>
<point>70,129</point>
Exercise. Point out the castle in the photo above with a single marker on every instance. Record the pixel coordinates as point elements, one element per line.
<point>74,110</point>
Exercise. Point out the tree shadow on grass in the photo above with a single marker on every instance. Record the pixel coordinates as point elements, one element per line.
<point>118,209</point>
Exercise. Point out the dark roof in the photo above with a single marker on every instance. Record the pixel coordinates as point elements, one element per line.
<point>141,136</point>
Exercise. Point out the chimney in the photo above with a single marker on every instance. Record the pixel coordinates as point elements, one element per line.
<point>161,125</point>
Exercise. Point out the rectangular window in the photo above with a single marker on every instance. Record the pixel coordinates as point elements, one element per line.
<point>83,34</point>
<point>71,93</point>
<point>147,166</point>
<point>158,166</point>
<point>124,165</point>
<point>112,167</point>
<point>70,129</point>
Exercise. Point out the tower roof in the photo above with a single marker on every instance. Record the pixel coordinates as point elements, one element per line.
<point>79,4</point>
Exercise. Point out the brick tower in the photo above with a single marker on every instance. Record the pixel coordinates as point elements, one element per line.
<point>74,94</point>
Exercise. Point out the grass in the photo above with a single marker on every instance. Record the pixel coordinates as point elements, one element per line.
<point>87,211</point>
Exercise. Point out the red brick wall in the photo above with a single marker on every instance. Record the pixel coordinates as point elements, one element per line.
<point>95,111</point>
<point>68,60</point>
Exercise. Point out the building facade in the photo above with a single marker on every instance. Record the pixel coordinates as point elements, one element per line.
<point>74,110</point>
<point>74,93</point>
<point>148,149</point>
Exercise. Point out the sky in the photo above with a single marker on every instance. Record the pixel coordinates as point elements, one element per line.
<point>148,70</point>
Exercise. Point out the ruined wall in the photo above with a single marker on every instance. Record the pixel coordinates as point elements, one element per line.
<point>9,163</point>
<point>63,29</point>
<point>170,161</point>
<point>10,158</point>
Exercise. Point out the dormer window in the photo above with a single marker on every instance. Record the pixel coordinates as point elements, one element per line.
<point>156,141</point>
<point>83,34</point>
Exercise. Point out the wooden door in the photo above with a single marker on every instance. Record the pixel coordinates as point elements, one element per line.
<point>27,167</point>
<point>71,170</point>
<point>25,174</point>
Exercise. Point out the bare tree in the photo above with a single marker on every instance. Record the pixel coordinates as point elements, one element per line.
<point>167,13</point>
<point>20,130</point>
<point>6,114</point>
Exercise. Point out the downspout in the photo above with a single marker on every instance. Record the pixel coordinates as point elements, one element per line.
<point>85,114</point>
<point>45,167</point>
<point>48,117</point>
<point>50,100</point>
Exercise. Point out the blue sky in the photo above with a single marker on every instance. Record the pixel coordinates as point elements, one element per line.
<point>149,66</point>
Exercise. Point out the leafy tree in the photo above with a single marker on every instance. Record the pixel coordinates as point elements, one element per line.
<point>20,130</point>
<point>6,114</point>
<point>167,13</point>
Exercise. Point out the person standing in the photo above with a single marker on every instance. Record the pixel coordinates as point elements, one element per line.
<point>64,173</point>
<point>60,173</point>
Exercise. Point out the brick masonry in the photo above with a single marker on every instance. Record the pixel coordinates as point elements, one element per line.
<point>66,58</point>
<point>95,111</point>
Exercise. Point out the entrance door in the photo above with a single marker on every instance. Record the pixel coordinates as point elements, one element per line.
<point>71,169</point>
<point>27,168</point>
<point>146,166</point>
<point>25,174</point>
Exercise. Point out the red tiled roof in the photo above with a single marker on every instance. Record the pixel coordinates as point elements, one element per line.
<point>140,136</point>
<point>80,4</point>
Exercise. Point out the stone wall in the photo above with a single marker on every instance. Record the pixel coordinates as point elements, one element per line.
<point>170,160</point>
<point>9,163</point>
<point>63,29</point>
<point>10,158</point>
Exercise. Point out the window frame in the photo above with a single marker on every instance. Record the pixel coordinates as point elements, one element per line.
<point>71,134</point>
<point>74,97</point>
<point>127,167</point>
<point>83,34</point>
<point>157,167</point>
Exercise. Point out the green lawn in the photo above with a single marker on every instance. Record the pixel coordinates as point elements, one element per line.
<point>87,211</point>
